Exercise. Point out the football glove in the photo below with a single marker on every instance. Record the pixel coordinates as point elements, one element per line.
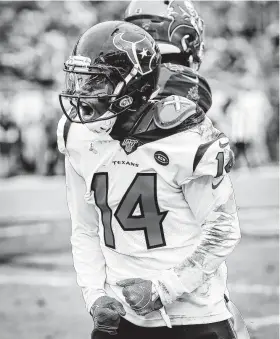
<point>106,313</point>
<point>141,295</point>
<point>145,296</point>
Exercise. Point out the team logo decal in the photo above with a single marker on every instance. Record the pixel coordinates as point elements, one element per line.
<point>130,145</point>
<point>192,16</point>
<point>161,158</point>
<point>138,53</point>
<point>193,94</point>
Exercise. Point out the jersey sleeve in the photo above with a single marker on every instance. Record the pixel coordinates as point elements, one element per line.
<point>88,259</point>
<point>213,158</point>
<point>73,139</point>
<point>210,196</point>
<point>61,142</point>
<point>209,185</point>
<point>206,151</point>
<point>216,213</point>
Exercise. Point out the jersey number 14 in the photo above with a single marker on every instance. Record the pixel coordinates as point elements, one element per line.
<point>141,196</point>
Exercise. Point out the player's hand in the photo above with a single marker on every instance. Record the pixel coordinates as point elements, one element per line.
<point>141,295</point>
<point>106,312</point>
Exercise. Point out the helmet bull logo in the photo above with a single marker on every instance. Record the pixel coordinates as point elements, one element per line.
<point>131,48</point>
<point>175,10</point>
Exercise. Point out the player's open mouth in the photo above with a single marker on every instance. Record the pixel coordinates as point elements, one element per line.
<point>89,111</point>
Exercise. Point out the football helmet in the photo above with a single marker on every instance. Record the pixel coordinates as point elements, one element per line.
<point>176,27</point>
<point>114,67</point>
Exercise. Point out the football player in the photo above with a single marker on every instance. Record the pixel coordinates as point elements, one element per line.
<point>152,208</point>
<point>179,32</point>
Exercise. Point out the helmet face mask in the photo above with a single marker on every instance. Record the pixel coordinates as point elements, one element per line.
<point>106,80</point>
<point>89,95</point>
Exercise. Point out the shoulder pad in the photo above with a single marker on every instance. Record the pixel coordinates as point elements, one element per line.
<point>183,81</point>
<point>172,111</point>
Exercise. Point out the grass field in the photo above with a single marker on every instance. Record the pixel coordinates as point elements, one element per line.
<point>38,292</point>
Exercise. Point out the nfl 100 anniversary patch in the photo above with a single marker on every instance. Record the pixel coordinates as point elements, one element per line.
<point>130,145</point>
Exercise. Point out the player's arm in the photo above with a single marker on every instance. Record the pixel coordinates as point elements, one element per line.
<point>210,196</point>
<point>215,210</point>
<point>88,259</point>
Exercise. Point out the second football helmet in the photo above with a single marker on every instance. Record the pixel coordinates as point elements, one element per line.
<point>114,67</point>
<point>175,25</point>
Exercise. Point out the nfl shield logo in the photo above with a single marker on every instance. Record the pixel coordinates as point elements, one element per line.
<point>130,145</point>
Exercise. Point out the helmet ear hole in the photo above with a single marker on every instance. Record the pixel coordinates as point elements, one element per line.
<point>166,2</point>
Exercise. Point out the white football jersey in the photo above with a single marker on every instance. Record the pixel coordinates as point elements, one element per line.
<point>139,206</point>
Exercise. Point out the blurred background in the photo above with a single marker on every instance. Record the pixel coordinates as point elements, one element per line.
<point>38,293</point>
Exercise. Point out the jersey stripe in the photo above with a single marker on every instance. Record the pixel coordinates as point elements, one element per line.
<point>202,149</point>
<point>66,129</point>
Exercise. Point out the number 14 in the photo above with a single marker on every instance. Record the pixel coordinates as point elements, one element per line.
<point>141,193</point>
